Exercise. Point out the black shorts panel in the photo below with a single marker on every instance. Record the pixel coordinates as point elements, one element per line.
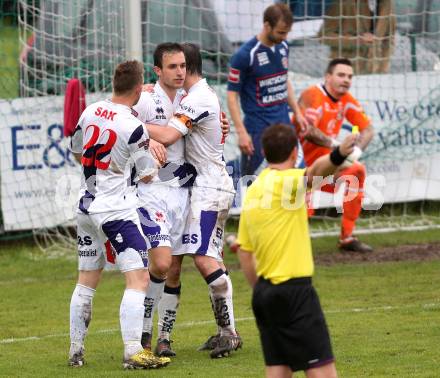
<point>292,327</point>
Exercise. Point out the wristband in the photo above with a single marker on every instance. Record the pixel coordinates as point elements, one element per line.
<point>336,158</point>
<point>334,143</point>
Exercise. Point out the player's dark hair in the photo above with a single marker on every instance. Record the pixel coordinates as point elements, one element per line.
<point>334,62</point>
<point>193,59</point>
<point>127,76</point>
<point>165,48</point>
<point>278,12</point>
<point>278,142</point>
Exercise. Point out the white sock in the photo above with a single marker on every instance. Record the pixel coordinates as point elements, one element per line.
<point>152,297</point>
<point>80,316</point>
<point>167,309</point>
<point>228,278</point>
<point>219,329</point>
<point>131,314</point>
<point>220,290</point>
<point>229,294</point>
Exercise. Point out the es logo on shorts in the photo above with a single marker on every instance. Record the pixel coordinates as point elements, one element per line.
<point>190,238</point>
<point>87,240</point>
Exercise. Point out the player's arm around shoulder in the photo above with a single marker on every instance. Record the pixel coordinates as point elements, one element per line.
<point>179,125</point>
<point>328,164</point>
<point>166,135</point>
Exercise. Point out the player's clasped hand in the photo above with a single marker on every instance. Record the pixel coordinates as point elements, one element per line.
<point>347,145</point>
<point>158,151</point>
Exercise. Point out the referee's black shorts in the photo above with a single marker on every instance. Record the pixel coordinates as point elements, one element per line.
<point>292,327</point>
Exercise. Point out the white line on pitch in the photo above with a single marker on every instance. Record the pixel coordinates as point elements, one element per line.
<point>203,322</point>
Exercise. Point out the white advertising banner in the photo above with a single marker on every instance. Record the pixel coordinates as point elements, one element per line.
<point>403,158</point>
<point>40,180</point>
<point>36,165</point>
<point>405,109</point>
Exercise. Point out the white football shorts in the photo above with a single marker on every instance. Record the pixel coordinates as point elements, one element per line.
<point>204,230</point>
<point>122,229</point>
<point>163,211</point>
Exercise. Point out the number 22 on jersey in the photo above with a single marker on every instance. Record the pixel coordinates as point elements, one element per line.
<point>94,151</point>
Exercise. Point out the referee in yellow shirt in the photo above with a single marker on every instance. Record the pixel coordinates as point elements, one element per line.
<point>276,257</point>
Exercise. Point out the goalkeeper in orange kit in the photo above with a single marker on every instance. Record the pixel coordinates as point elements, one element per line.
<point>325,106</point>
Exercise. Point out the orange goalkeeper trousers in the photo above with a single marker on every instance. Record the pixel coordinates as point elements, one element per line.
<point>354,178</point>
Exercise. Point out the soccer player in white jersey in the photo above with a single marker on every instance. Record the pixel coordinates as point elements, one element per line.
<point>198,117</point>
<point>164,201</point>
<point>106,137</point>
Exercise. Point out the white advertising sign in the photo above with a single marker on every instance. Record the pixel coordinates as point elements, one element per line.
<point>40,180</point>
<point>402,160</point>
<point>35,165</point>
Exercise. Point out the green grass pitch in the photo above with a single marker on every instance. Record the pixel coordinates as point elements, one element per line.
<point>383,318</point>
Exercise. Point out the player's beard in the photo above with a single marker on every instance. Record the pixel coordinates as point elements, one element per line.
<point>272,38</point>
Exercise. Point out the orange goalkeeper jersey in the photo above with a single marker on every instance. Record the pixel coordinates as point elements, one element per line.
<point>331,114</point>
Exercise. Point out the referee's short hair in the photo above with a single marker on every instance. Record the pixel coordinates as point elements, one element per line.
<point>279,140</point>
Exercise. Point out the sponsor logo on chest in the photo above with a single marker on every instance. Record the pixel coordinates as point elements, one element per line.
<point>262,58</point>
<point>160,114</point>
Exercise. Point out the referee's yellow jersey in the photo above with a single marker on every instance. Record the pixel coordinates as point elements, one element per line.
<point>274,225</point>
